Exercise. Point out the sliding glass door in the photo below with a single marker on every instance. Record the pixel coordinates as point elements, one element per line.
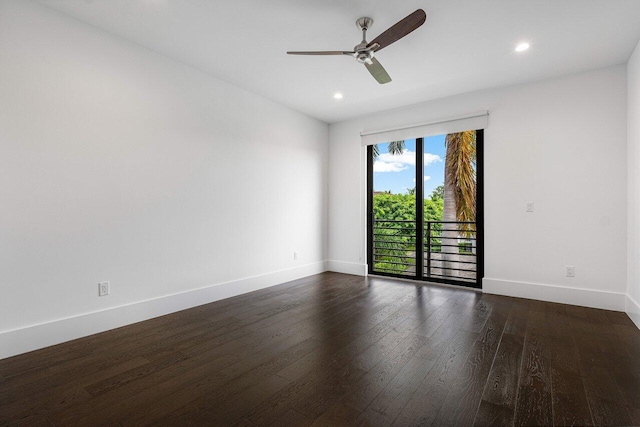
<point>393,232</point>
<point>425,208</point>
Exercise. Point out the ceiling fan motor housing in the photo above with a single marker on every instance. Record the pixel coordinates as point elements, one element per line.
<point>364,56</point>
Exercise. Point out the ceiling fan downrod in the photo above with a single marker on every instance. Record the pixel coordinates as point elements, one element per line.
<point>362,53</point>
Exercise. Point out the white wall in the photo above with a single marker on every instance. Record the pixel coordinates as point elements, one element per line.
<point>633,165</point>
<point>560,143</point>
<point>120,164</point>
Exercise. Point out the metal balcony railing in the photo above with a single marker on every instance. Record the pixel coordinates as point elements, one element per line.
<point>449,250</point>
<point>394,247</point>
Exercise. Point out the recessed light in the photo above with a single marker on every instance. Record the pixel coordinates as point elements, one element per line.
<point>522,47</point>
<point>337,95</point>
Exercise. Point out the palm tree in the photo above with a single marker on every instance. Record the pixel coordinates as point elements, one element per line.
<point>459,193</point>
<point>395,148</point>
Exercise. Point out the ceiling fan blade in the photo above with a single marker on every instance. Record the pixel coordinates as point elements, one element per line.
<point>399,30</point>
<point>327,52</point>
<point>377,71</point>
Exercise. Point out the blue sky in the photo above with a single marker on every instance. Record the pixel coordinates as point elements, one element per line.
<point>397,173</point>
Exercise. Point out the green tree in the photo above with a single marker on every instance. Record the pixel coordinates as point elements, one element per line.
<point>396,240</point>
<point>438,192</point>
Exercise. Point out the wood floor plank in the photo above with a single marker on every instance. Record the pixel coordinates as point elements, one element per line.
<point>23,398</point>
<point>570,403</point>
<point>338,414</point>
<point>462,401</point>
<point>293,418</point>
<point>390,401</point>
<point>226,412</point>
<point>598,370</point>
<point>110,406</point>
<point>534,405</point>
<point>334,349</point>
<point>361,393</point>
<point>629,385</point>
<point>419,403</point>
<point>237,380</point>
<point>343,347</point>
<point>102,386</point>
<point>635,416</point>
<point>27,411</point>
<point>311,395</point>
<point>499,397</point>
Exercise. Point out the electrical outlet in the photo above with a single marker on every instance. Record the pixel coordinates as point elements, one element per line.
<point>530,206</point>
<point>571,271</point>
<point>295,256</point>
<point>104,289</point>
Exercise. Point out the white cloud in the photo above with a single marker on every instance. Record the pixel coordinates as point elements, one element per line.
<point>379,166</point>
<point>427,178</point>
<point>431,158</point>
<point>398,162</point>
<point>406,158</point>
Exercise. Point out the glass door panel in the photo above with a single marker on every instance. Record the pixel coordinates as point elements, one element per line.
<point>450,237</point>
<point>393,218</point>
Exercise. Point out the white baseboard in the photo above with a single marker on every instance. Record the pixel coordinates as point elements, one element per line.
<point>347,267</point>
<point>574,296</point>
<point>632,309</point>
<point>34,337</point>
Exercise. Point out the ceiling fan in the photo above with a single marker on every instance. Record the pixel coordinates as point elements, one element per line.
<point>364,52</point>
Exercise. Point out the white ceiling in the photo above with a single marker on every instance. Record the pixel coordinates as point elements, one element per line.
<point>465,45</point>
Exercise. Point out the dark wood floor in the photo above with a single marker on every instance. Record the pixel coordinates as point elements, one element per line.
<point>334,349</point>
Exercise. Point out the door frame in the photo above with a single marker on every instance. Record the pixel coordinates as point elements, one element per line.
<point>420,217</point>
